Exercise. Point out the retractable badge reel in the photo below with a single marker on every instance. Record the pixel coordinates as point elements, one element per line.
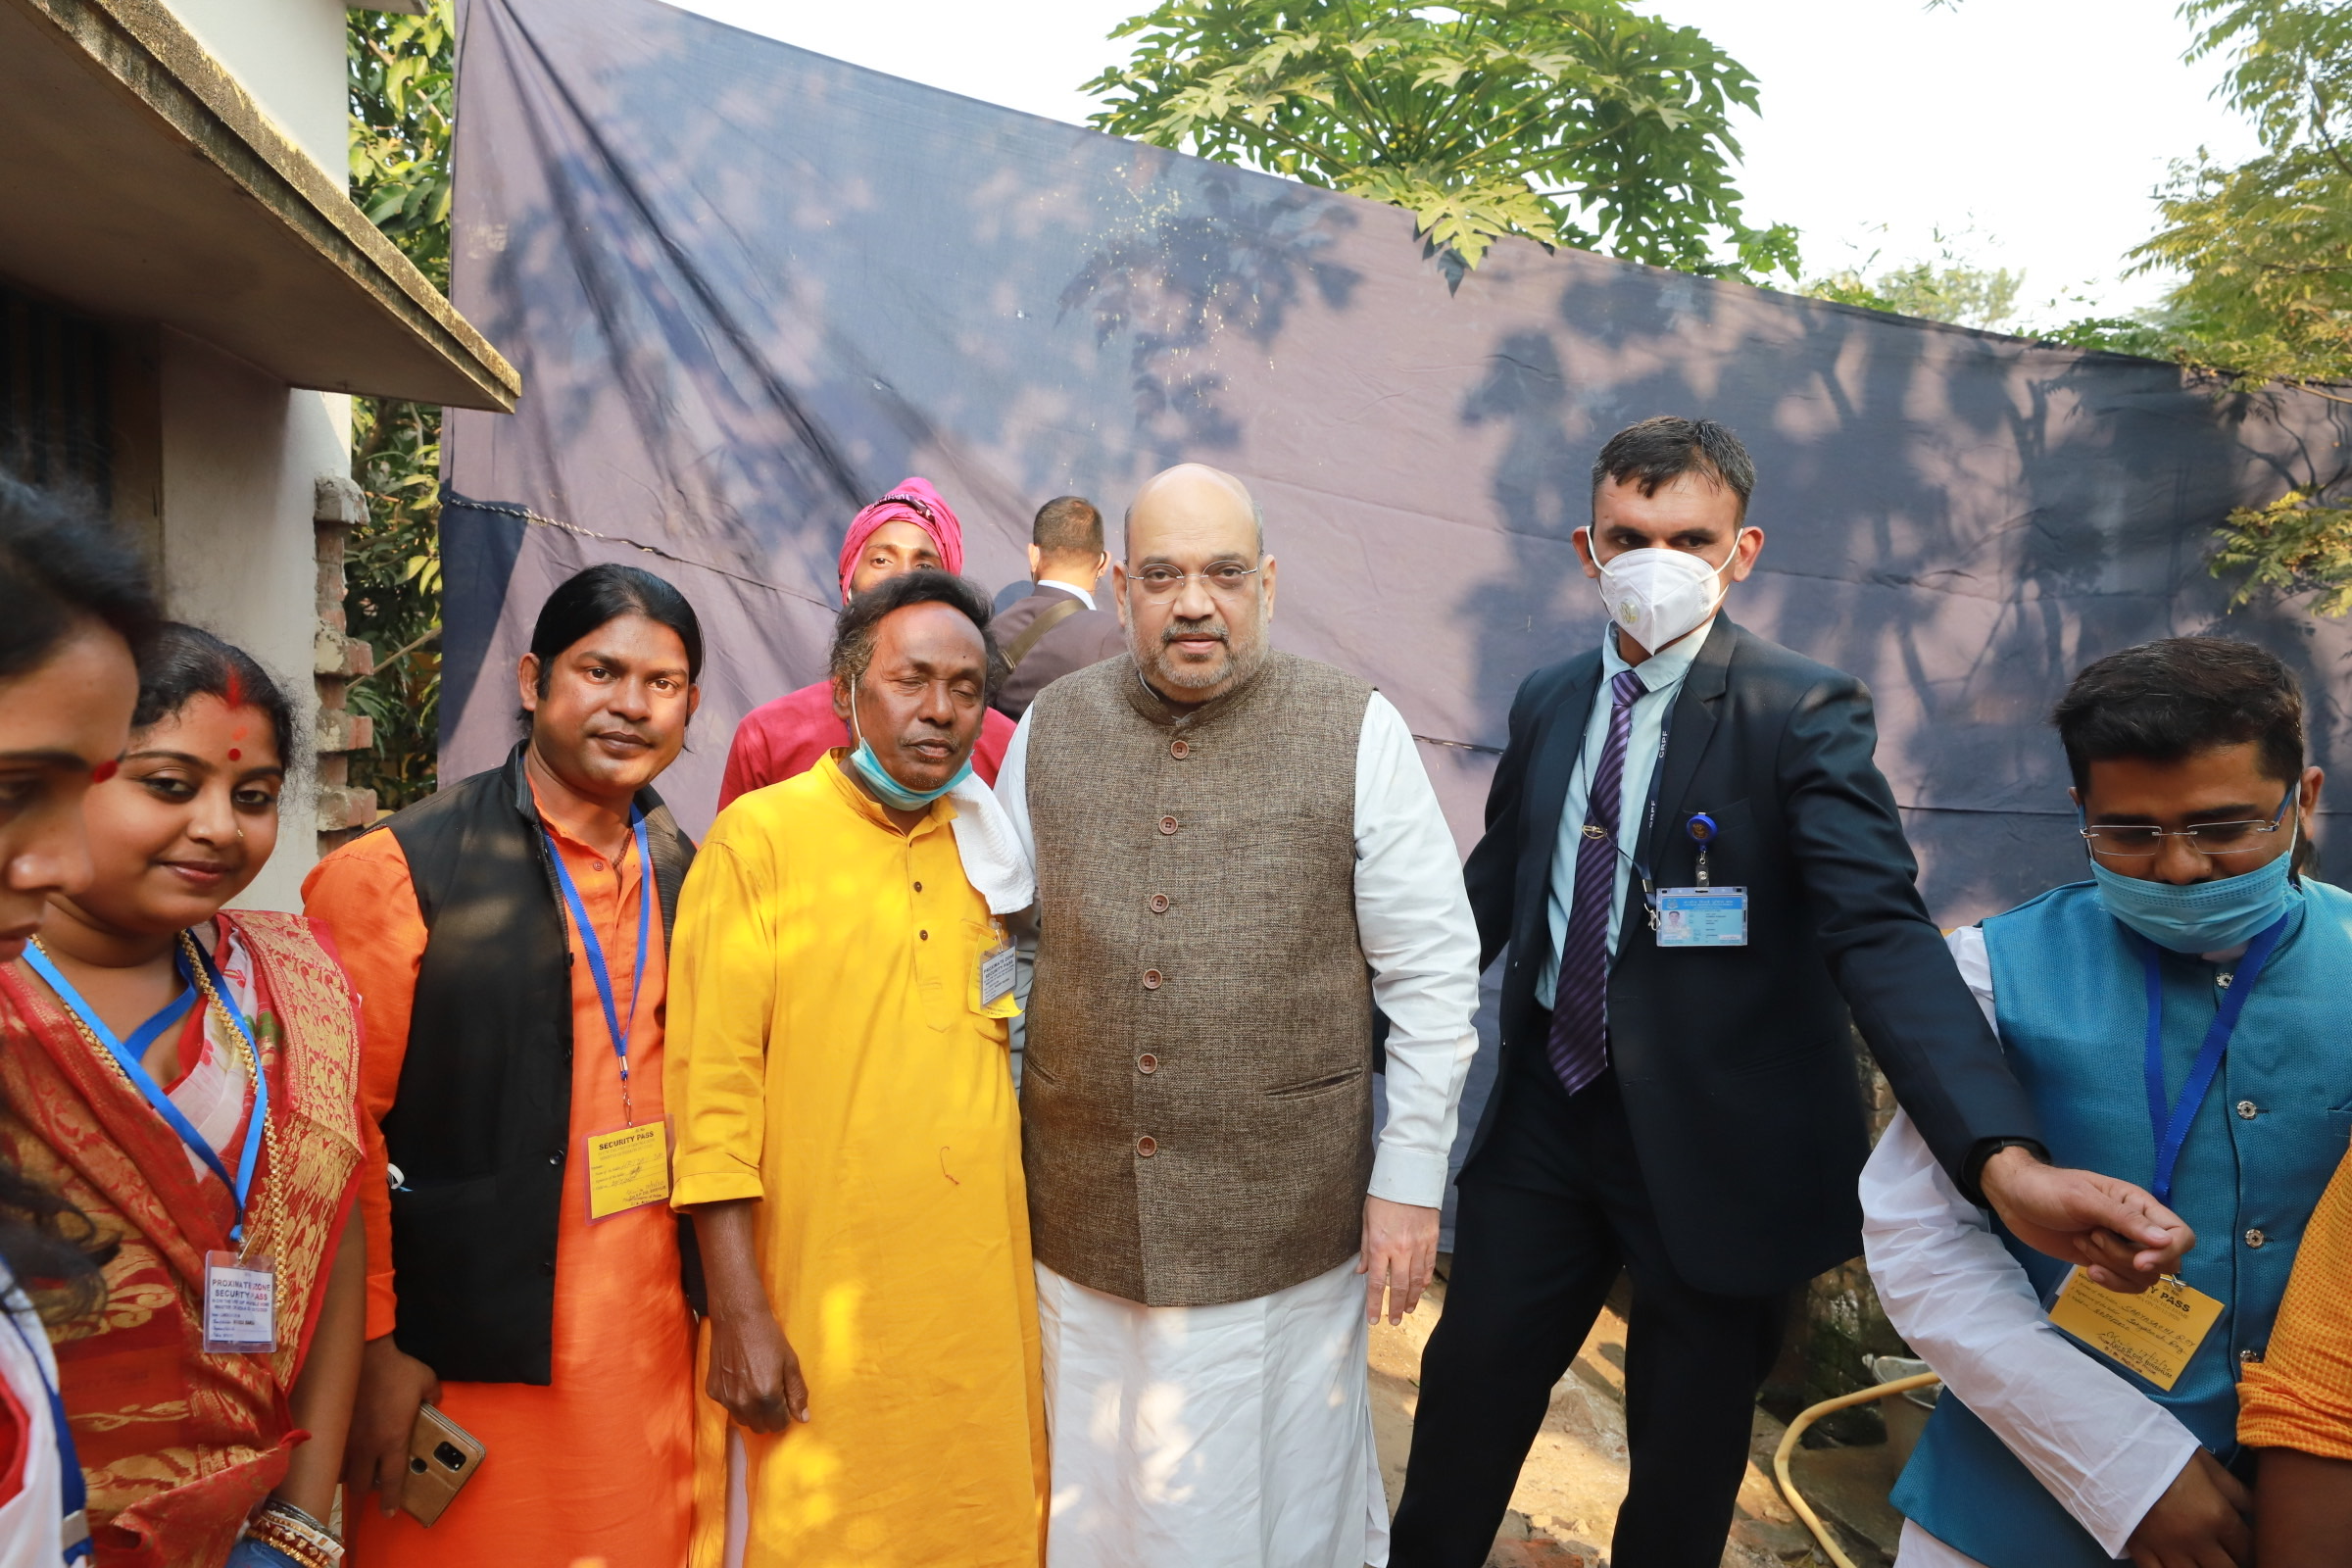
<point>1704,916</point>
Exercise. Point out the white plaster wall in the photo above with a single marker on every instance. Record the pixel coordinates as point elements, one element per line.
<point>241,455</point>
<point>290,56</point>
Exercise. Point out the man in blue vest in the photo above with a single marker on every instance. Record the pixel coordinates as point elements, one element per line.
<point>2184,1019</point>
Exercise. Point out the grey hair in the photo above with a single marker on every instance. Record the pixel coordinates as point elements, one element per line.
<point>861,620</point>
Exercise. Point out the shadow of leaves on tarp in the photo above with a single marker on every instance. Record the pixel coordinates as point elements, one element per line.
<point>1174,283</point>
<point>732,272</point>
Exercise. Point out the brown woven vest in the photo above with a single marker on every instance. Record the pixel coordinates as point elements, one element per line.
<point>1197,1098</point>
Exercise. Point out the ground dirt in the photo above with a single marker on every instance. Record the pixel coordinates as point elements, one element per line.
<point>1565,1507</point>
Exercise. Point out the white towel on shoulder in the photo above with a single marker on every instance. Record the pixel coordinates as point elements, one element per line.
<point>992,854</point>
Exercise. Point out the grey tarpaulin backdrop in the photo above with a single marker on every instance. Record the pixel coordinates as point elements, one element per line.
<point>748,287</point>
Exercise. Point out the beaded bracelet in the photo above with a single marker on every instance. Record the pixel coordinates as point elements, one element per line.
<point>297,1534</point>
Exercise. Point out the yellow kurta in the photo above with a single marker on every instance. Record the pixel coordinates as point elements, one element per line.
<point>829,1055</point>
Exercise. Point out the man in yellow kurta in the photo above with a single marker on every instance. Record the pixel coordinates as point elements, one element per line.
<point>847,1132</point>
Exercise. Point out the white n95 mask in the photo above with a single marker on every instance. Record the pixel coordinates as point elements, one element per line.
<point>1655,595</point>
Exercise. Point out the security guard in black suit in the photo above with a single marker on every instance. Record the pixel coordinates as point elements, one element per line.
<point>1677,1095</point>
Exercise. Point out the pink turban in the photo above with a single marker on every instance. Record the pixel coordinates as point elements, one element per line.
<point>914,501</point>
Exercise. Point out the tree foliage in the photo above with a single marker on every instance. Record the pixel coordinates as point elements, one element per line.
<point>400,80</point>
<point>2266,250</point>
<point>1570,121</point>
<point>1955,292</point>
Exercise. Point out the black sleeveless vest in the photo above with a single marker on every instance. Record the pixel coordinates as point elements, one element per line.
<point>481,1129</point>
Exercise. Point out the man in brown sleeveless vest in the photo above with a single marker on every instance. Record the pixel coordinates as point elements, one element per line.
<point>1239,855</point>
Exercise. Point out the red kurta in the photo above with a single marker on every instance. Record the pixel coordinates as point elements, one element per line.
<point>783,739</point>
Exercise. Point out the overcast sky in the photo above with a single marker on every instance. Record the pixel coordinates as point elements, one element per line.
<point>2028,133</point>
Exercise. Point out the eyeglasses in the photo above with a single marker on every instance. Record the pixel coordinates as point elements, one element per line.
<point>2209,839</point>
<point>1226,580</point>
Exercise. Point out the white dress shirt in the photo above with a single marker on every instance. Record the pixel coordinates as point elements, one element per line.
<point>1084,596</point>
<point>1662,676</point>
<point>1412,916</point>
<point>2105,1450</point>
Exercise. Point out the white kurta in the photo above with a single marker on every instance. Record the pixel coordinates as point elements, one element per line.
<point>1239,1436</point>
<point>2105,1450</point>
<point>1211,1436</point>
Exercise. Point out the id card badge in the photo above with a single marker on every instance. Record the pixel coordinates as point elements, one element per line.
<point>240,1304</point>
<point>629,1168</point>
<point>995,973</point>
<point>2154,1334</point>
<point>1702,917</point>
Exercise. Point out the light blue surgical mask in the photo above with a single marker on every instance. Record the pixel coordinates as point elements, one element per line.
<point>2202,916</point>
<point>889,791</point>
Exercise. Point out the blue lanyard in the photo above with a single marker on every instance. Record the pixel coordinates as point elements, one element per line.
<point>596,949</point>
<point>127,1059</point>
<point>2171,1123</point>
<point>73,1491</point>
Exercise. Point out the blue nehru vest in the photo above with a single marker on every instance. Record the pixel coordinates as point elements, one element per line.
<point>2069,983</point>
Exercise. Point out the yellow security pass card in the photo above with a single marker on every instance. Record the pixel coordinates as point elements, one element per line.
<point>627,1168</point>
<point>2153,1334</point>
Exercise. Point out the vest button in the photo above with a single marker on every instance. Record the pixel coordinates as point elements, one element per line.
<point>547,1265</point>
<point>1160,904</point>
<point>1152,979</point>
<point>2249,1356</point>
<point>2247,1111</point>
<point>2255,1237</point>
<point>1147,1146</point>
<point>1147,1063</point>
<point>1167,825</point>
<point>1179,750</point>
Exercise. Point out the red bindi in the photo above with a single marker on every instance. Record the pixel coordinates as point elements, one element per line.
<point>234,754</point>
<point>105,770</point>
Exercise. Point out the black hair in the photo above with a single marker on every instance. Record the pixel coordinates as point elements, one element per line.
<point>1068,525</point>
<point>1659,451</point>
<point>2165,701</point>
<point>589,599</point>
<point>60,567</point>
<point>855,629</point>
<point>51,1246</point>
<point>179,663</point>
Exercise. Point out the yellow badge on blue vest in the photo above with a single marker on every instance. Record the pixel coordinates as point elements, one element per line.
<point>2154,1334</point>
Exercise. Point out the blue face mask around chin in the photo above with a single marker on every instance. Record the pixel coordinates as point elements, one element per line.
<point>889,791</point>
<point>2202,916</point>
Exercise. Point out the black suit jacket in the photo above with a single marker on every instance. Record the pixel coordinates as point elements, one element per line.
<point>1086,638</point>
<point>1733,1062</point>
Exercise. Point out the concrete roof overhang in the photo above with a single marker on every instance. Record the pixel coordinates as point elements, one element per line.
<point>139,180</point>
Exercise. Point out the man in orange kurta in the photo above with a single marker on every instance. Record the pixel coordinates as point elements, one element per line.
<point>2296,1402</point>
<point>597,1461</point>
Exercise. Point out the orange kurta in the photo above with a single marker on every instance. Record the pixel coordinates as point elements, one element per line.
<point>2299,1395</point>
<point>600,1463</point>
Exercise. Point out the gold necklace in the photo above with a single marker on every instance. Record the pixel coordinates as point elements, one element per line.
<point>249,1054</point>
<point>272,1194</point>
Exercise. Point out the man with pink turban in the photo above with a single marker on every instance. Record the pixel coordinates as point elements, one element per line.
<point>910,529</point>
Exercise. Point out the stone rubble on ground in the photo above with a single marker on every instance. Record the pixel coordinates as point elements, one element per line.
<point>1565,1507</point>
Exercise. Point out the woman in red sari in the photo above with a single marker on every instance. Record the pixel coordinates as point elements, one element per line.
<point>129,1038</point>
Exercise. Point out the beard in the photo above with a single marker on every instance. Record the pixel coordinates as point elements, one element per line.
<point>1242,654</point>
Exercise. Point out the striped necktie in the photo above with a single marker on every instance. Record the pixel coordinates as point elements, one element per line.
<point>1580,1010</point>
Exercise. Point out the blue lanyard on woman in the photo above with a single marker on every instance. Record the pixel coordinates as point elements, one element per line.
<point>74,1493</point>
<point>127,1054</point>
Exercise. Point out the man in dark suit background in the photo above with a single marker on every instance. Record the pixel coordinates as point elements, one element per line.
<point>1057,628</point>
<point>1677,1095</point>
